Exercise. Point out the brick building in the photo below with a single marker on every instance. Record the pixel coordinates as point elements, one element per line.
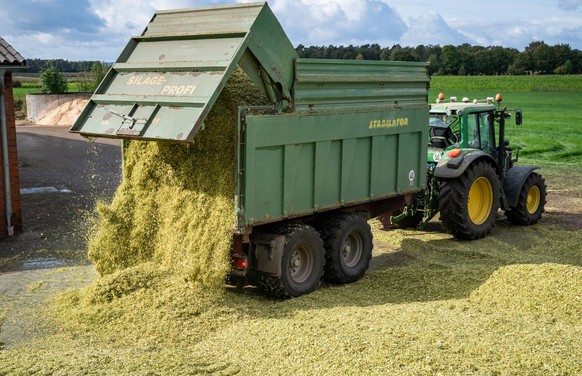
<point>10,209</point>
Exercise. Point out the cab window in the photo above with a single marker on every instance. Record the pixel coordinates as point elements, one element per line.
<point>473,131</point>
<point>480,131</point>
<point>486,130</point>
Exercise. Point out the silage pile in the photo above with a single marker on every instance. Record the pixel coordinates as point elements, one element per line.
<point>66,114</point>
<point>546,289</point>
<point>170,222</point>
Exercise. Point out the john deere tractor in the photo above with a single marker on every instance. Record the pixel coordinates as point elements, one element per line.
<point>471,173</point>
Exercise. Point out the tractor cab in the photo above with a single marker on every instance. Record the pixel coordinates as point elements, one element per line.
<point>463,125</point>
<point>469,126</point>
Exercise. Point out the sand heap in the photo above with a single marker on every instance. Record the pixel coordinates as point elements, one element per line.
<point>172,217</point>
<point>65,114</point>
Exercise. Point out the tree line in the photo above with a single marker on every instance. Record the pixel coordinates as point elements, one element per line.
<point>65,66</point>
<point>465,59</point>
<point>462,60</point>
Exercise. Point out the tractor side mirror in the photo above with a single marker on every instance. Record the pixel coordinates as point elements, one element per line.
<point>518,117</point>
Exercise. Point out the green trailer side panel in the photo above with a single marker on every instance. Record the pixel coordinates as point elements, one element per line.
<point>299,177</point>
<point>166,81</point>
<point>350,85</point>
<point>269,162</point>
<point>384,150</point>
<point>297,164</point>
<point>327,176</point>
<point>355,169</point>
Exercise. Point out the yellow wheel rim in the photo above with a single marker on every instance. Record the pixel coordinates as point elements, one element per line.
<point>480,200</point>
<point>533,199</point>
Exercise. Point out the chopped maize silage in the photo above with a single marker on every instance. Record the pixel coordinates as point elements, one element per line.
<point>544,290</point>
<point>173,214</point>
<point>426,315</point>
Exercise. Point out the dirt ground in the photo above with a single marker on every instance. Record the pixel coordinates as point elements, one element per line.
<point>79,173</point>
<point>51,251</point>
<point>50,255</point>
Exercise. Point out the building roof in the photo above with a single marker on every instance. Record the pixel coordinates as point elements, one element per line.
<point>9,56</point>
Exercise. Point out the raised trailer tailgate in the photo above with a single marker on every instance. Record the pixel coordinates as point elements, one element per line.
<point>165,82</point>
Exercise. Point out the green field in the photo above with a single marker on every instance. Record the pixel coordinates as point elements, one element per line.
<point>507,304</point>
<point>33,87</point>
<point>508,83</point>
<point>551,132</point>
<point>27,88</point>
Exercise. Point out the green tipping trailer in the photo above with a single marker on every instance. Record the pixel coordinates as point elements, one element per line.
<point>342,142</point>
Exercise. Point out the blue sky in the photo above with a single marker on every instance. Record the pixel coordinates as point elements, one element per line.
<point>99,29</point>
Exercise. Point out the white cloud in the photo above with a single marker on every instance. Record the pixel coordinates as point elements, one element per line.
<point>123,16</point>
<point>323,22</point>
<point>68,48</point>
<point>431,28</point>
<point>552,30</point>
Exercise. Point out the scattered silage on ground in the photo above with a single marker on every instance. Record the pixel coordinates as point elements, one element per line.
<point>506,304</point>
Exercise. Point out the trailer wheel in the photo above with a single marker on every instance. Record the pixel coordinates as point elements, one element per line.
<point>468,204</point>
<point>530,203</point>
<point>301,264</point>
<point>347,240</point>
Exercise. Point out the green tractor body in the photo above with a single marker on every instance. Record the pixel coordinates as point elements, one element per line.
<point>471,172</point>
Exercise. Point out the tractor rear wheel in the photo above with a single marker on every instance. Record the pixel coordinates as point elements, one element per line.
<point>468,204</point>
<point>530,203</point>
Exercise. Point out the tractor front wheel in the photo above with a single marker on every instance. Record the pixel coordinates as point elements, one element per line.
<point>530,203</point>
<point>468,204</point>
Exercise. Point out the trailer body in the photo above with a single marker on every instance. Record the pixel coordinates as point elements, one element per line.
<point>341,137</point>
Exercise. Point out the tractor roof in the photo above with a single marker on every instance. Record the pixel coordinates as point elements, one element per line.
<point>443,108</point>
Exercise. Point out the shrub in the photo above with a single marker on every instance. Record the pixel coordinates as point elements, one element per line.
<point>20,108</point>
<point>52,81</point>
<point>89,81</point>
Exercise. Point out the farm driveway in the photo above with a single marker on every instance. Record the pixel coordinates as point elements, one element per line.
<point>76,173</point>
<point>80,172</point>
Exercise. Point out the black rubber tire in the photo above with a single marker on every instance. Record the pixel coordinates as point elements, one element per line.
<point>454,202</point>
<point>301,265</point>
<point>408,222</point>
<point>347,240</point>
<point>534,188</point>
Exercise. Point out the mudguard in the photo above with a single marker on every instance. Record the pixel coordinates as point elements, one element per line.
<point>266,253</point>
<point>514,180</point>
<point>455,167</point>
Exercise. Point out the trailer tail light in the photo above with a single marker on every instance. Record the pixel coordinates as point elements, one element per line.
<point>239,262</point>
<point>454,153</point>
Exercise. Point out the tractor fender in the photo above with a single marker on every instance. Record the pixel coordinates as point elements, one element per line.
<point>514,179</point>
<point>455,167</point>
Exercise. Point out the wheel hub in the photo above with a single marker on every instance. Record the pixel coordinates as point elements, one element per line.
<point>301,264</point>
<point>533,199</point>
<point>352,249</point>
<point>480,200</point>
